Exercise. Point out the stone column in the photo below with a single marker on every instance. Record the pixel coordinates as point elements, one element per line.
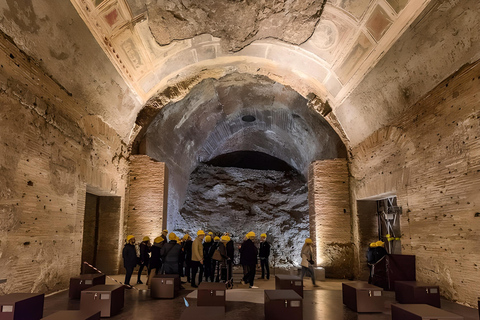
<point>147,203</point>
<point>330,222</point>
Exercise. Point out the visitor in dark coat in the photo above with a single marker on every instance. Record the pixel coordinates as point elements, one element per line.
<point>207,263</point>
<point>230,255</point>
<point>264,254</point>
<point>170,253</point>
<point>248,258</point>
<point>155,259</point>
<point>129,255</point>
<point>187,256</point>
<point>144,258</point>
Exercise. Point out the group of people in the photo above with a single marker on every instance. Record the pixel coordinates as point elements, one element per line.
<point>208,255</point>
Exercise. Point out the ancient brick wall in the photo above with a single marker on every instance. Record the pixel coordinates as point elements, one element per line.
<point>329,208</point>
<point>147,198</point>
<point>51,151</point>
<point>430,158</point>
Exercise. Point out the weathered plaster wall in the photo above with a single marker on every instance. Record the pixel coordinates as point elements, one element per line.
<point>238,201</point>
<point>147,197</point>
<point>51,152</point>
<point>329,210</point>
<point>54,35</point>
<point>430,157</point>
<point>439,42</point>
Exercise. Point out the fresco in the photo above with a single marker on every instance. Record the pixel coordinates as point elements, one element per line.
<point>378,23</point>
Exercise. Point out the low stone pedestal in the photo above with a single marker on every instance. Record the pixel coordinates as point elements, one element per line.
<point>421,312</point>
<point>411,292</point>
<point>362,297</point>
<point>288,282</point>
<point>283,305</point>
<point>108,299</point>
<point>82,282</point>
<point>165,286</point>
<point>25,306</point>
<point>211,294</point>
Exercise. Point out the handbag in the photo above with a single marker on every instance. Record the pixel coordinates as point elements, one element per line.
<point>217,255</point>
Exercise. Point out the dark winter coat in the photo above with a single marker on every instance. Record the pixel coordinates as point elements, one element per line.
<point>155,259</point>
<point>144,250</point>
<point>264,251</point>
<point>170,253</point>
<point>230,250</point>
<point>378,253</point>
<point>248,253</point>
<point>206,250</point>
<point>187,250</point>
<point>129,255</point>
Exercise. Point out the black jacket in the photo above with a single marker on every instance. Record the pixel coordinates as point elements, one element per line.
<point>248,253</point>
<point>155,259</point>
<point>264,251</point>
<point>170,253</point>
<point>206,250</point>
<point>187,249</point>
<point>144,250</point>
<point>129,255</point>
<point>230,250</point>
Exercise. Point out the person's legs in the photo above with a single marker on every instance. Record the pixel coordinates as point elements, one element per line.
<point>207,268</point>
<point>262,266</point>
<point>312,274</point>
<point>267,267</point>
<point>304,270</point>
<point>139,280</point>
<point>128,275</point>
<point>194,267</point>
<point>251,274</point>
<point>188,265</point>
<point>200,274</point>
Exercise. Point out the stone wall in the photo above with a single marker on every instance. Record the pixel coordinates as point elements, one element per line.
<point>236,200</point>
<point>51,152</point>
<point>147,201</point>
<point>329,205</point>
<point>430,158</point>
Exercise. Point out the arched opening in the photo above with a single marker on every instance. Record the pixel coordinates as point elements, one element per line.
<point>241,131</point>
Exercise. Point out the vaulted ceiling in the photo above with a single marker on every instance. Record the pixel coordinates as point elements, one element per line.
<point>369,59</point>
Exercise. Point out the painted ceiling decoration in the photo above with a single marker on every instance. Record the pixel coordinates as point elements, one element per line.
<point>336,51</point>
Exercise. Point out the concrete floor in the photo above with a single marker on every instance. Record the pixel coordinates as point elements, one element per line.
<point>323,302</point>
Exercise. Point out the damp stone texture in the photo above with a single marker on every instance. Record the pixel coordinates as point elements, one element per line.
<point>147,197</point>
<point>236,200</point>
<point>430,158</point>
<point>329,209</point>
<point>51,152</point>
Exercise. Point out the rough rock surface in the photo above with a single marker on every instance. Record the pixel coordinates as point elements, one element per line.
<point>237,22</point>
<point>238,200</point>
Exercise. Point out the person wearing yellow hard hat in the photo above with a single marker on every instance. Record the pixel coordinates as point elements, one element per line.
<point>263,254</point>
<point>144,258</point>
<point>170,253</point>
<point>248,259</point>
<point>186,258</point>
<point>129,254</point>
<point>307,260</point>
<point>197,258</point>
<point>370,259</point>
<point>164,235</point>
<point>230,254</point>
<point>207,259</point>
<point>155,258</point>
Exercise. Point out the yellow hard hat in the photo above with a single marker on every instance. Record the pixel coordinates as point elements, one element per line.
<point>225,238</point>
<point>387,235</point>
<point>208,239</point>
<point>308,240</point>
<point>398,238</point>
<point>210,233</point>
<point>216,238</point>
<point>186,236</point>
<point>172,236</point>
<point>158,239</point>
<point>251,234</point>
<point>380,243</point>
<point>263,235</point>
<point>146,238</point>
<point>166,231</point>
<point>373,245</point>
<point>200,232</point>
<point>130,237</point>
